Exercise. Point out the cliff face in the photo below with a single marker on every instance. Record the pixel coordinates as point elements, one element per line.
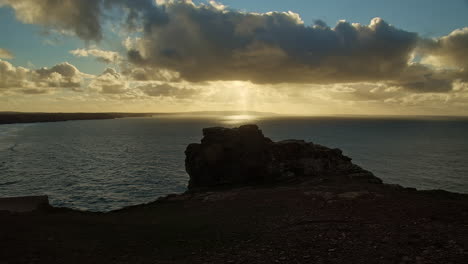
<point>244,156</point>
<point>315,221</point>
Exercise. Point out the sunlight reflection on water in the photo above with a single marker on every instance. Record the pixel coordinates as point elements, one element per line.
<point>102,165</point>
<point>239,119</point>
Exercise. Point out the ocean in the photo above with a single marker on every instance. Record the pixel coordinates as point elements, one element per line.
<point>103,165</point>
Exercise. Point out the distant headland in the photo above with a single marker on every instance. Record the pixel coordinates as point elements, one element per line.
<point>9,117</point>
<point>22,117</point>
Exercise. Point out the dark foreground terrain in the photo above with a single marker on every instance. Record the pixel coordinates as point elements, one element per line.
<point>296,223</point>
<point>252,200</point>
<point>17,117</point>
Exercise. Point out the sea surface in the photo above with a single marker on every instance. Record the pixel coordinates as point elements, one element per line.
<point>102,165</point>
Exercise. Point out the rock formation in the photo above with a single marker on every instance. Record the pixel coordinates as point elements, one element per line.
<point>244,156</point>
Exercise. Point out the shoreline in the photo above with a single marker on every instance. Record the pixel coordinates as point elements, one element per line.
<point>22,118</point>
<point>10,117</point>
<point>301,222</point>
<point>7,117</point>
<point>251,200</point>
<point>41,202</point>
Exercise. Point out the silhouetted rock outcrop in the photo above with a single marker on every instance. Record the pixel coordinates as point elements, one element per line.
<point>244,156</point>
<point>305,221</point>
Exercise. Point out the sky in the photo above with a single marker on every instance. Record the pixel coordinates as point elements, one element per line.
<point>306,57</point>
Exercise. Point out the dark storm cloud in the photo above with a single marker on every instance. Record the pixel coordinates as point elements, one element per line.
<point>207,42</point>
<point>429,85</point>
<point>419,78</point>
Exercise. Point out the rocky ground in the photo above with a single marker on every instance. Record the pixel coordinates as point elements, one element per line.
<point>295,223</point>
<point>310,205</point>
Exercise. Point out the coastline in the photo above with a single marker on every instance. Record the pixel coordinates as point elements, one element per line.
<point>7,117</point>
<point>302,222</point>
<point>18,118</point>
<point>314,207</point>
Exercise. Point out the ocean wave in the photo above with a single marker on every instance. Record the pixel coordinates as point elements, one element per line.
<point>101,166</point>
<point>9,183</point>
<point>12,129</point>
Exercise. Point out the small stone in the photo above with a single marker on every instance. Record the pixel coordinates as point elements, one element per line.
<point>352,195</point>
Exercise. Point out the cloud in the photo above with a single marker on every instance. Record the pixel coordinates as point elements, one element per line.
<point>361,92</point>
<point>36,91</point>
<point>109,82</point>
<point>204,43</point>
<point>447,51</point>
<point>61,75</point>
<point>82,17</point>
<point>29,81</point>
<point>177,40</point>
<point>101,55</point>
<point>429,85</point>
<point>421,78</point>
<point>209,42</point>
<point>111,72</point>
<point>113,84</point>
<point>150,74</point>
<point>167,90</point>
<point>13,77</point>
<point>5,54</point>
